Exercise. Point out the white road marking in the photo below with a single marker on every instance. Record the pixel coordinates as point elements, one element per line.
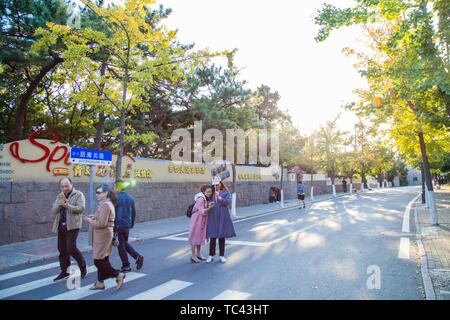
<point>82,292</point>
<point>162,291</point>
<point>405,225</point>
<point>403,250</point>
<point>33,285</point>
<point>28,271</point>
<point>236,242</point>
<point>232,295</point>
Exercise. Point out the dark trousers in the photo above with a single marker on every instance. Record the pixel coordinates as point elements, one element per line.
<point>104,269</point>
<point>124,247</point>
<point>212,247</point>
<point>67,246</point>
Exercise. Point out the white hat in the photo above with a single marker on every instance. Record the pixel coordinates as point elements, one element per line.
<point>216,180</point>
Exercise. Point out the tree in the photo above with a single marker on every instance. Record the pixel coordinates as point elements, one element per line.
<point>19,20</point>
<point>291,146</point>
<point>397,168</point>
<point>382,162</point>
<point>137,54</point>
<point>409,70</point>
<point>329,143</point>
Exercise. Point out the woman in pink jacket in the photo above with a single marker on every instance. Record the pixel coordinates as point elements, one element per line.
<point>199,219</point>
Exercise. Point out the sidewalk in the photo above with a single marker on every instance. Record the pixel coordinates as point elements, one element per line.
<point>434,246</point>
<point>21,253</point>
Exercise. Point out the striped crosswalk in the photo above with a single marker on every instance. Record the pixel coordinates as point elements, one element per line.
<point>84,292</point>
<point>162,291</point>
<point>47,285</point>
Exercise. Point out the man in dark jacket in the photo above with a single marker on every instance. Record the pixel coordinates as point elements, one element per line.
<point>125,218</point>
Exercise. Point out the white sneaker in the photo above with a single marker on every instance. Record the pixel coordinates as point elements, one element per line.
<point>222,259</point>
<point>210,259</point>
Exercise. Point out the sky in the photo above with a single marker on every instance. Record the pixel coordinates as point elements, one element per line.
<point>276,47</point>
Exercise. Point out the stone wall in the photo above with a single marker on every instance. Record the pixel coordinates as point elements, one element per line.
<point>25,206</point>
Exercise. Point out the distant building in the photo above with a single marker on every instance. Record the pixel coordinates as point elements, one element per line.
<point>414,177</point>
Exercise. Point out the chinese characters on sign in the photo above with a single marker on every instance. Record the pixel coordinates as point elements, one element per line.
<point>2,171</point>
<point>249,177</point>
<point>90,157</point>
<point>186,170</point>
<point>104,171</point>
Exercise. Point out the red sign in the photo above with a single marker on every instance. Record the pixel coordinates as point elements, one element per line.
<point>49,155</point>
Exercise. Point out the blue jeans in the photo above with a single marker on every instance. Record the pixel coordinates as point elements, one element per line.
<point>124,247</point>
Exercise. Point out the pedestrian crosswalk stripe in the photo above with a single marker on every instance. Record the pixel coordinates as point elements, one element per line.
<point>235,242</point>
<point>19,273</point>
<point>32,285</point>
<point>232,295</point>
<point>82,292</point>
<point>162,291</point>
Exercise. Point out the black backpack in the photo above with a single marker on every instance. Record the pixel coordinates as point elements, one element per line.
<point>189,210</point>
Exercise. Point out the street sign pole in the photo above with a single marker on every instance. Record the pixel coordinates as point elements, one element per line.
<point>91,158</point>
<point>91,201</point>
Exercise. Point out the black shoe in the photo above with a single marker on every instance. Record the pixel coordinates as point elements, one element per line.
<point>62,275</point>
<point>83,272</point>
<point>193,261</point>
<point>139,262</point>
<point>125,269</point>
<point>201,259</point>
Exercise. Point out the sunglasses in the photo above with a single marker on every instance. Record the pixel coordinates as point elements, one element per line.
<point>100,192</point>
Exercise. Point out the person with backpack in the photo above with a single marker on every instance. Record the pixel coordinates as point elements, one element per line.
<point>199,220</point>
<point>125,218</point>
<point>219,225</point>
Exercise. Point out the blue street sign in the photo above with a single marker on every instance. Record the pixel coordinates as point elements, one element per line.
<point>91,157</point>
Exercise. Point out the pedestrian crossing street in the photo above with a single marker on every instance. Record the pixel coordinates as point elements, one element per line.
<point>45,286</point>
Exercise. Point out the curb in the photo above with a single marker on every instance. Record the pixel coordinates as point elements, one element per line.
<point>427,283</point>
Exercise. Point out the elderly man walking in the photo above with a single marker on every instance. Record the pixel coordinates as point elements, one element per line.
<point>68,208</point>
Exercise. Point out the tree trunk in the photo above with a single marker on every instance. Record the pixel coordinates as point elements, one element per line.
<point>123,110</point>
<point>281,179</point>
<point>428,182</point>
<point>99,130</point>
<point>233,169</point>
<point>233,192</point>
<point>363,178</point>
<point>102,117</point>
<point>18,132</point>
<point>122,138</point>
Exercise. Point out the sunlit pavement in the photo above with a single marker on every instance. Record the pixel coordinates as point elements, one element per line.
<point>351,247</point>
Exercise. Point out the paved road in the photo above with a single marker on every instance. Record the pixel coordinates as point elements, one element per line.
<point>351,247</point>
